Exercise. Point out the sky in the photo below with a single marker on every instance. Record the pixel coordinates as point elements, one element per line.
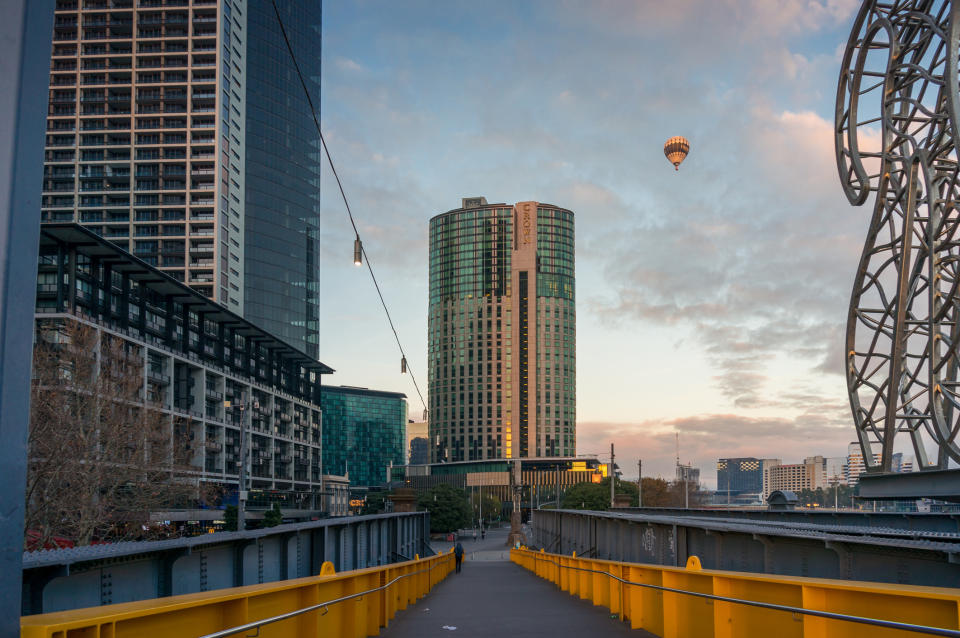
<point>711,302</point>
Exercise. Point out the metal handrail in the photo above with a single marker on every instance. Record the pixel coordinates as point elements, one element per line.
<point>890,624</point>
<point>297,612</point>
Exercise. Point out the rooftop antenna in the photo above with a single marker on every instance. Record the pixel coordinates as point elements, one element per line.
<point>678,449</point>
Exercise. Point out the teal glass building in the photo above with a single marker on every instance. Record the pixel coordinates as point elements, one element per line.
<point>363,432</point>
<point>502,332</point>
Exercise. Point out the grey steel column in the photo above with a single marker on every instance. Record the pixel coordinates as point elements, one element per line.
<point>26,34</point>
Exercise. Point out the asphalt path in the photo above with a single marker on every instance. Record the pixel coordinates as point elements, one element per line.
<point>491,596</point>
<point>492,547</point>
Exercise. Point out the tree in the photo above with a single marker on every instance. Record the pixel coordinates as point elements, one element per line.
<point>491,507</point>
<point>230,518</point>
<point>448,507</point>
<point>596,496</point>
<point>374,503</point>
<point>272,517</point>
<point>657,493</point>
<point>101,455</point>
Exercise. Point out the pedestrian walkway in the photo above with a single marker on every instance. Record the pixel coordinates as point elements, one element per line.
<point>492,547</point>
<point>493,596</point>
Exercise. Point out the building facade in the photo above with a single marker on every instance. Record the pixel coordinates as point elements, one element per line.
<point>363,432</point>
<point>855,465</point>
<point>835,470</point>
<point>418,442</point>
<point>281,232</point>
<point>208,369</point>
<point>688,474</point>
<point>145,133</point>
<point>793,477</point>
<point>502,332</point>
<point>739,476</point>
<point>542,480</point>
<point>147,145</point>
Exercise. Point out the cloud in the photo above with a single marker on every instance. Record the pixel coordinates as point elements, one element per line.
<point>707,437</point>
<point>749,19</point>
<point>744,258</point>
<point>346,64</point>
<point>760,272</point>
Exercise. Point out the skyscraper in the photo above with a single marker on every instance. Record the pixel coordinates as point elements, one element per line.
<point>502,332</point>
<point>147,145</point>
<point>283,153</point>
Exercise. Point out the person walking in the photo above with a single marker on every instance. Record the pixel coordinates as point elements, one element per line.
<point>483,533</point>
<point>458,555</point>
<point>474,534</point>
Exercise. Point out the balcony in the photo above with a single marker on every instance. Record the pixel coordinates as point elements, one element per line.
<point>158,376</point>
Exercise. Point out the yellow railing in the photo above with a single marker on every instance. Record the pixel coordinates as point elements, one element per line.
<point>674,602</point>
<point>360,603</point>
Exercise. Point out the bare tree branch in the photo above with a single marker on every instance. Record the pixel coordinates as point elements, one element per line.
<point>101,456</point>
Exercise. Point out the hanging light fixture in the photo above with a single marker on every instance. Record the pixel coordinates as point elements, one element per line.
<point>403,365</point>
<point>357,252</point>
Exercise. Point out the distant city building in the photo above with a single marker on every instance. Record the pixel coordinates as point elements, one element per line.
<point>855,464</point>
<point>336,495</point>
<point>419,450</point>
<point>364,432</point>
<point>835,470</point>
<point>208,369</point>
<point>179,130</point>
<point>502,332</point>
<point>688,473</point>
<point>794,477</point>
<point>738,476</point>
<point>542,480</point>
<point>765,463</point>
<point>418,442</point>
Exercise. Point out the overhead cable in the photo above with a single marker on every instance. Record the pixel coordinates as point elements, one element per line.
<point>357,243</point>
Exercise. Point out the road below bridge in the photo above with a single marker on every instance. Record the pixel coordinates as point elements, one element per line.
<point>494,597</point>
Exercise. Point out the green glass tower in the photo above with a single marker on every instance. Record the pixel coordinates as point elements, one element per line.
<point>364,431</point>
<point>502,332</point>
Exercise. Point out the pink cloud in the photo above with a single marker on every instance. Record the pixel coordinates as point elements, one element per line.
<point>705,438</point>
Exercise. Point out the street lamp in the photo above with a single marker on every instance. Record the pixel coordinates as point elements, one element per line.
<point>357,252</point>
<point>242,471</point>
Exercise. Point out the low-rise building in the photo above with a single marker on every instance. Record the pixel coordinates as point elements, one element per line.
<point>793,477</point>
<point>336,495</point>
<point>739,479</point>
<point>364,432</point>
<point>208,370</point>
<point>542,480</point>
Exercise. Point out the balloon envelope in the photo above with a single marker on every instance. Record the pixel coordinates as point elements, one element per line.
<point>676,149</point>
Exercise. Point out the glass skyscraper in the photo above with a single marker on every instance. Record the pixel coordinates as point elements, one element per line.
<point>152,104</point>
<point>502,332</point>
<point>283,154</point>
<point>363,432</point>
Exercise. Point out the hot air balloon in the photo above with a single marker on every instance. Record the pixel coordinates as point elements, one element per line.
<point>676,149</point>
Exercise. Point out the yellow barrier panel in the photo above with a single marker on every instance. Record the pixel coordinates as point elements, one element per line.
<point>676,615</point>
<point>192,615</point>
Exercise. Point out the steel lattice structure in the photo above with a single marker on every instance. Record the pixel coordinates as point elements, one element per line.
<point>897,117</point>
